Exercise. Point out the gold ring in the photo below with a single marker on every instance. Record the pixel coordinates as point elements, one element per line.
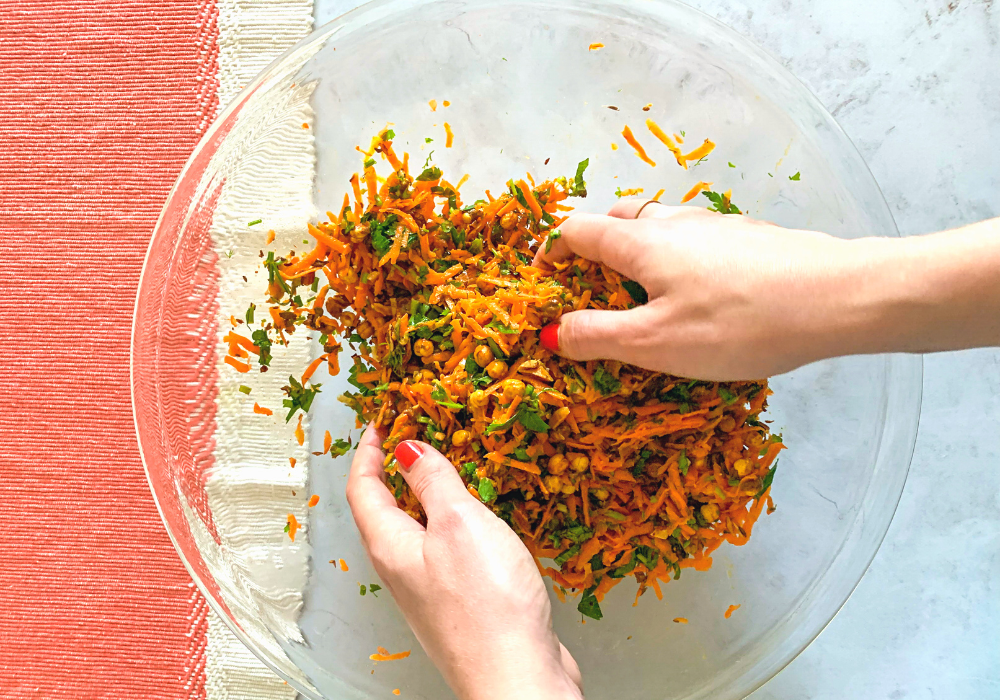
<point>651,201</point>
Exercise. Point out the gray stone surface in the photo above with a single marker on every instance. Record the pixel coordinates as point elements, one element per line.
<point>916,85</point>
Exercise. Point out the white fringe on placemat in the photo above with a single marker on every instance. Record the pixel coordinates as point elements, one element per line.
<point>252,488</point>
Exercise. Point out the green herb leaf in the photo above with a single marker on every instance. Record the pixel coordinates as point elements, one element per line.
<point>590,607</point>
<point>428,139</point>
<point>263,343</point>
<point>567,555</point>
<point>531,420</point>
<point>768,479</point>
<point>364,589</point>
<point>495,426</point>
<point>635,290</point>
<point>728,396</point>
<point>605,382</point>
<point>440,395</point>
<point>299,397</point>
<point>339,447</point>
<point>374,588</point>
<point>430,174</point>
<point>579,186</point>
<point>487,490</point>
<point>389,135</point>
<point>683,463</point>
<point>720,204</point>
<point>796,177</point>
<point>553,237</point>
<point>731,164</point>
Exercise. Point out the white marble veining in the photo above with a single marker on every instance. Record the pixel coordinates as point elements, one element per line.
<point>916,85</point>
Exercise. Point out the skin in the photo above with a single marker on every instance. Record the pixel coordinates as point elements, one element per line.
<point>729,298</point>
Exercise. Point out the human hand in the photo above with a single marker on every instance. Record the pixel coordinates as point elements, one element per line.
<point>729,297</point>
<point>466,584</point>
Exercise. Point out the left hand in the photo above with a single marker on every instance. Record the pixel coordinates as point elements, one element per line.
<point>466,584</point>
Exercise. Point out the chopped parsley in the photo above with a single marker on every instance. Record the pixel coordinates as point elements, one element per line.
<point>299,397</point>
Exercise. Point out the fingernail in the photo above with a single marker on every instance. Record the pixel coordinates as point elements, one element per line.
<point>549,337</point>
<point>407,453</point>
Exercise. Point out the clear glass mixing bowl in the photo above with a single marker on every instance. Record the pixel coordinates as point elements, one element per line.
<point>524,91</point>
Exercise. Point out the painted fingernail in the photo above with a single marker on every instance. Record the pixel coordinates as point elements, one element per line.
<point>407,453</point>
<point>549,337</point>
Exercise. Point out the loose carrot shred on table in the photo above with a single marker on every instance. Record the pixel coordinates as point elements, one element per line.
<point>681,620</point>
<point>601,466</point>
<point>257,408</point>
<point>695,191</point>
<point>639,150</point>
<point>291,462</point>
<point>313,500</point>
<point>656,131</point>
<point>292,526</point>
<point>384,655</point>
<point>270,237</point>
<point>396,690</point>
<point>241,367</point>
<point>595,47</point>
<point>434,105</point>
<point>449,136</point>
<point>343,565</point>
<point>446,103</point>
<point>731,609</point>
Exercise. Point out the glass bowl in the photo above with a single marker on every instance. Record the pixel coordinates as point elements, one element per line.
<point>526,93</point>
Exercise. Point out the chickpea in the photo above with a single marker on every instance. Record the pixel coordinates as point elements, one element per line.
<point>601,494</point>
<point>550,309</point>
<point>558,464</point>
<point>553,483</point>
<point>742,467</point>
<point>366,329</point>
<point>710,512</point>
<point>568,488</point>
<point>460,438</point>
<point>483,355</point>
<point>439,436</point>
<point>359,232</point>
<point>496,369</point>
<point>512,388</point>
<point>727,424</point>
<point>423,347</point>
<point>509,220</point>
<point>466,218</point>
<point>579,463</point>
<point>478,399</point>
<point>755,440</point>
<point>750,485</point>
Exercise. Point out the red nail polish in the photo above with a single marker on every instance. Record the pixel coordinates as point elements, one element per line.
<point>407,453</point>
<point>549,337</point>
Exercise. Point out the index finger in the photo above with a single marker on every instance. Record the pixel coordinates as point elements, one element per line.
<point>613,241</point>
<point>372,505</point>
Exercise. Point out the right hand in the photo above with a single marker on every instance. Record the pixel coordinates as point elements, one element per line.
<point>729,297</point>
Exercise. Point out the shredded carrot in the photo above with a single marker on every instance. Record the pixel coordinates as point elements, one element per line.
<point>313,500</point>
<point>449,136</point>
<point>386,656</point>
<point>434,105</point>
<point>696,190</point>
<point>396,690</point>
<point>291,462</point>
<point>343,565</point>
<point>292,526</point>
<point>614,146</point>
<point>600,465</point>
<point>639,150</point>
<point>257,408</point>
<point>270,237</point>
<point>681,620</point>
<point>656,131</point>
<point>700,152</point>
<point>731,609</point>
<point>629,192</point>
<point>446,103</point>
<point>595,47</point>
<point>241,367</point>
<point>659,193</point>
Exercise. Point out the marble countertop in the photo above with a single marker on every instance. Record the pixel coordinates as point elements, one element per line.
<point>915,84</point>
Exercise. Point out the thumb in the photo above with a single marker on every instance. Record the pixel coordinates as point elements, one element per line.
<point>432,478</point>
<point>594,334</point>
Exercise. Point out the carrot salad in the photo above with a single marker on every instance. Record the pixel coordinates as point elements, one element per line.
<point>604,470</point>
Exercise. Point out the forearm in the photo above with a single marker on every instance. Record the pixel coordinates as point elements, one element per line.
<point>920,294</point>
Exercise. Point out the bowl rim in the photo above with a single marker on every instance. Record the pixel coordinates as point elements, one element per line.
<point>358,14</point>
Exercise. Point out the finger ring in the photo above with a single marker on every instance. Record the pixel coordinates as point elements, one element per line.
<point>651,201</point>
